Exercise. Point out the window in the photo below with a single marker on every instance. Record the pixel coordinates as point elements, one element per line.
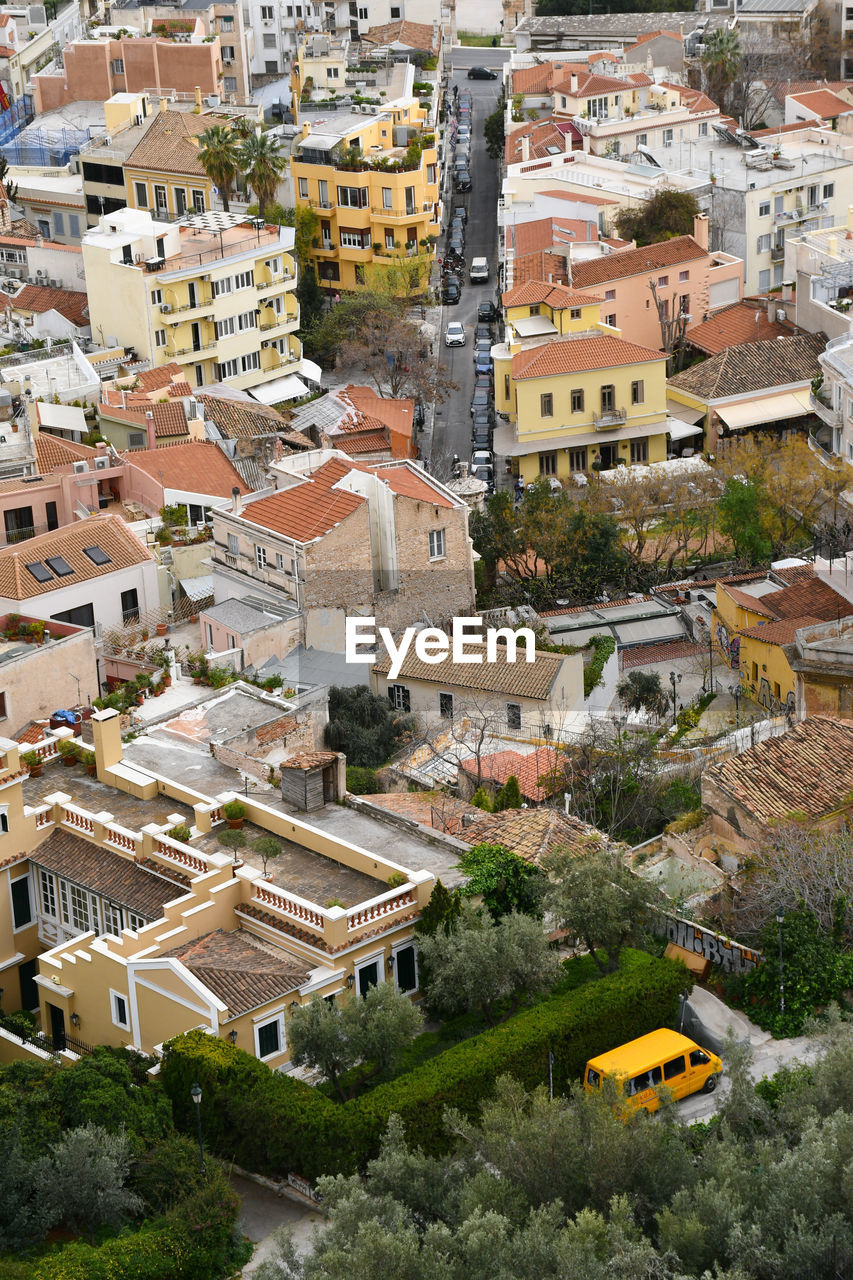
<point>828,190</point>
<point>577,459</point>
<point>130,605</point>
<point>609,295</point>
<point>233,544</point>
<point>764,243</point>
<point>667,137</point>
<point>763,281</point>
<point>675,1068</point>
<point>703,129</point>
<point>683,275</point>
<point>574,313</point>
<point>135,922</point>
<point>73,224</point>
<point>231,84</point>
<point>445,706</point>
<point>699,1058</point>
<point>112,918</point>
<point>266,13</point>
<point>611,319</point>
<point>546,405</point>
<point>355,239</point>
<point>269,40</point>
<point>118,1010</point>
<point>156,297</point>
<point>332,73</point>
<point>269,1037</point>
<point>646,1080</point>
<point>225,327</point>
<point>811,196</point>
<point>244,279</point>
<point>141,195</point>
<point>246,320</point>
<point>303,188</point>
<point>137,440</point>
<point>637,392</point>
<point>353,197</point>
<point>431,175</point>
<point>639,450</point>
<point>117,66</point>
<point>436,544</point>
<point>22,911</point>
<point>198,201</point>
<point>160,337</point>
<point>389,239</point>
<point>398,696</point>
<point>642,139</point>
<point>160,199</point>
<point>608,398</point>
<point>577,400</point>
<point>260,557</point>
<point>506,386</point>
<point>684,304</point>
<point>547,464</point>
<point>250,362</point>
<point>663,281</point>
<point>778,205</point>
<point>48,894</point>
<point>222,286</point>
<point>405,961</point>
<point>395,12</point>
<point>513,715</point>
<point>80,908</point>
<point>764,209</point>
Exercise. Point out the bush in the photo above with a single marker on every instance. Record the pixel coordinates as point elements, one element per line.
<point>363,726</point>
<point>232,839</point>
<point>272,1123</point>
<point>234,811</point>
<point>685,823</point>
<point>361,781</point>
<point>181,832</point>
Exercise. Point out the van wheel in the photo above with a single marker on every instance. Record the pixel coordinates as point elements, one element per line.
<point>710,1084</point>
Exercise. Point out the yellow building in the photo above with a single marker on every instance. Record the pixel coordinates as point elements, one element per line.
<point>374,182</point>
<point>118,933</point>
<point>214,293</point>
<point>576,396</point>
<point>163,173</point>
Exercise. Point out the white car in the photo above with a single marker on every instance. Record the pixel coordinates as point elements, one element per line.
<point>454,334</point>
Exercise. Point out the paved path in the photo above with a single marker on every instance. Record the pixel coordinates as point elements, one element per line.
<point>262,1212</point>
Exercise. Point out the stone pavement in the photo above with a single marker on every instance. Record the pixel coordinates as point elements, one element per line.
<point>262,1212</point>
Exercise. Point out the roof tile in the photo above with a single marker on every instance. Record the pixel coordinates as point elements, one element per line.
<point>106,873</point>
<point>754,366</point>
<point>521,678</point>
<point>109,532</point>
<point>733,325</point>
<point>196,466</point>
<point>238,970</point>
<point>576,355</point>
<point>636,262</point>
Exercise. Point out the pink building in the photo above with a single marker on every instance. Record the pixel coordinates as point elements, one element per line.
<point>686,276</point>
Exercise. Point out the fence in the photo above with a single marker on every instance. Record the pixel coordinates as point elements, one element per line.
<point>40,1040</point>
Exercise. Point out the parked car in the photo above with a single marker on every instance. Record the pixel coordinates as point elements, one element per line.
<point>482,73</point>
<point>482,422</point>
<point>457,224</point>
<point>483,367</point>
<point>462,181</point>
<point>451,291</point>
<point>482,400</point>
<point>483,378</point>
<point>481,440</point>
<point>487,313</point>
<point>482,458</point>
<point>459,211</point>
<point>463,134</point>
<point>486,474</point>
<point>482,347</point>
<point>454,334</point>
<point>455,245</point>
<point>483,331</point>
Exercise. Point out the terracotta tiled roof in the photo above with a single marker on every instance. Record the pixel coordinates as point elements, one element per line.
<point>53,452</point>
<point>309,760</point>
<point>551,233</point>
<point>196,466</point>
<point>411,35</point>
<point>239,971</point>
<point>70,303</point>
<point>794,572</point>
<point>584,608</point>
<point>555,296</point>
<point>582,197</point>
<point>754,366</point>
<point>576,355</point>
<point>809,769</point>
<point>533,833</point>
<point>355,443</point>
<point>733,325</point>
<point>637,262</point>
<point>540,78</point>
<point>653,35</point>
<point>170,145</point>
<point>783,88</point>
<point>755,604</point>
<point>828,105</point>
<point>169,418</point>
<point>106,873</point>
<point>430,808</point>
<point>812,597</point>
<point>528,769</point>
<point>521,678</point>
<point>778,632</point>
<point>542,264</point>
<point>410,482</point>
<point>591,84</point>
<point>541,135</point>
<point>396,414</point>
<point>110,533</point>
<point>241,419</point>
<point>644,655</point>
<point>33,733</point>
<point>154,379</point>
<point>308,510</point>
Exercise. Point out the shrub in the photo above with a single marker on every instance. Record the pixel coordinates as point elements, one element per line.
<point>272,1123</point>
<point>396,879</point>
<point>482,800</point>
<point>181,832</point>
<point>685,823</point>
<point>361,781</point>
<point>232,839</point>
<point>31,759</point>
<point>234,810</point>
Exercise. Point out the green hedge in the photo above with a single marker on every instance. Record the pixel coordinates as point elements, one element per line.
<point>271,1123</point>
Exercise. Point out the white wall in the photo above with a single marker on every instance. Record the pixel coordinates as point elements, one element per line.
<point>103,593</point>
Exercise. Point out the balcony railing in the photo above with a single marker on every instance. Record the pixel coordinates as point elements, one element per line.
<point>192,351</point>
<point>410,211</point>
<point>609,418</point>
<point>177,308</point>
<point>826,413</point>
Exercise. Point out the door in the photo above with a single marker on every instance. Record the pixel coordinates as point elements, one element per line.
<point>19,524</point>
<point>195,328</point>
<point>51,515</point>
<point>329,792</point>
<point>676,1076</point>
<point>368,976</point>
<point>57,1027</point>
<point>27,978</point>
<point>609,455</point>
<point>192,293</point>
<point>161,207</point>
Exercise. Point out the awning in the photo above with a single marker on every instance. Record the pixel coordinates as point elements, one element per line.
<point>281,389</point>
<point>311,370</point>
<point>685,412</point>
<point>677,430</point>
<point>753,413</point>
<point>534,326</point>
<point>198,588</point>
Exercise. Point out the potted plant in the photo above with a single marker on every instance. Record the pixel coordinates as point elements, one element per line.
<point>88,759</point>
<point>234,812</point>
<point>267,847</point>
<point>69,751</point>
<point>34,763</point>
<point>181,832</point>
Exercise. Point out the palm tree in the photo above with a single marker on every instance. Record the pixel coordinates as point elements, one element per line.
<point>721,61</point>
<point>263,164</point>
<point>220,158</point>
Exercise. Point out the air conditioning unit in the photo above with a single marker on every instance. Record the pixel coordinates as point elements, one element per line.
<point>165,309</point>
<point>101,464</point>
<point>55,284</point>
<point>80,467</point>
<point>373,110</point>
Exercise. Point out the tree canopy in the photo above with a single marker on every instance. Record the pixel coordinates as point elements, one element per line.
<point>599,901</point>
<point>505,882</point>
<point>665,214</point>
<point>363,726</point>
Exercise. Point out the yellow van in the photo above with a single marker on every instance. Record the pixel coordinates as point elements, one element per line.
<point>661,1057</point>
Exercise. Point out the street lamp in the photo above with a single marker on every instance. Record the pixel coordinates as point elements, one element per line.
<point>735,691</point>
<point>195,1094</point>
<point>675,681</point>
<point>780,920</point>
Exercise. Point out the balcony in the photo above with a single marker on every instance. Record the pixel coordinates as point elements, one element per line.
<point>609,418</point>
<point>410,211</point>
<point>173,313</point>
<point>826,413</point>
<point>286,278</point>
<point>183,352</point>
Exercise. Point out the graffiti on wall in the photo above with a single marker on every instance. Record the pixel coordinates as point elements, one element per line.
<point>730,645</point>
<point>725,953</point>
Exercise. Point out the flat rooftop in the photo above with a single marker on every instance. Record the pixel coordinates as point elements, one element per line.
<point>802,157</point>
<point>208,237</point>
<point>58,375</point>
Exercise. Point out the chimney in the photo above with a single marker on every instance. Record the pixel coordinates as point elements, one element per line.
<point>236,504</point>
<point>197,98</point>
<point>573,82</point>
<point>787,291</point>
<point>525,147</point>
<point>700,230</point>
<point>771,305</point>
<point>149,430</point>
<point>461,470</point>
<point>164,105</point>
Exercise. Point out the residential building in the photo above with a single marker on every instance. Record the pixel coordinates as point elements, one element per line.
<point>767,21</point>
<point>196,475</point>
<point>577,396</point>
<point>534,247</point>
<point>755,622</point>
<point>816,105</point>
<point>222,18</point>
<point>35,311</point>
<point>39,677</point>
<point>163,173</point>
<point>751,385</point>
<point>608,31</point>
<point>252,435</point>
<point>339,537</point>
<point>401,36</point>
<point>820,264</point>
<point>95,572</point>
<point>357,421</point>
<point>752,320</point>
<point>143,425</point>
<point>197,293</point>
<point>52,202</point>
<point>685,277</point>
<point>539,699</point>
<point>68,478</point>
<point>177,58</point>
<point>29,40</point>
<point>821,658</point>
<point>26,256</point>
<point>173,934</point>
<point>806,774</point>
<point>374,183</point>
<point>764,187</point>
<point>833,399</point>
